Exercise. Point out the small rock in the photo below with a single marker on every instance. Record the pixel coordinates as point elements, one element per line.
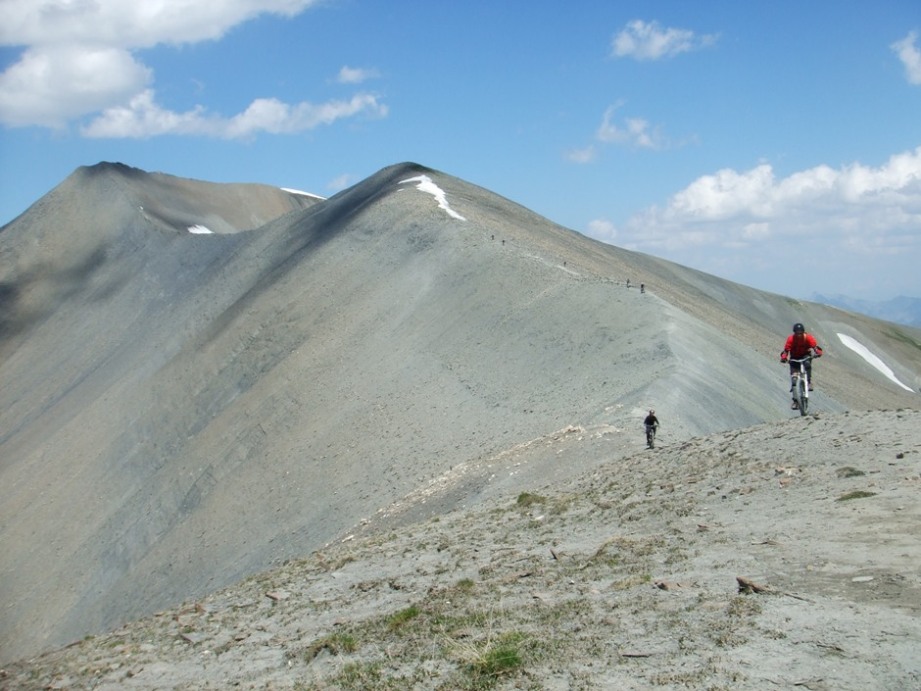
<point>665,585</point>
<point>193,637</point>
<point>746,585</point>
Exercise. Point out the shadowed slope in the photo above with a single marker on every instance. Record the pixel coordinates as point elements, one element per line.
<point>195,408</point>
<point>113,216</point>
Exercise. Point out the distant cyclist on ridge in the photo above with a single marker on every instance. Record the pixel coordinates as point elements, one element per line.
<point>800,344</point>
<point>651,423</point>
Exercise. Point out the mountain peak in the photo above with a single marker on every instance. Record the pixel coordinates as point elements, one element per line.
<point>111,167</point>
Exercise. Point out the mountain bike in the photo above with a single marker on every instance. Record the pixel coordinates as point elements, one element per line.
<point>800,380</point>
<point>650,436</point>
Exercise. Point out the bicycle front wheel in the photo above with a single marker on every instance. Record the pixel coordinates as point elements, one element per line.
<point>802,395</point>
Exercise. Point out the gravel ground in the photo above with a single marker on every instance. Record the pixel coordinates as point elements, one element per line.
<point>779,556</point>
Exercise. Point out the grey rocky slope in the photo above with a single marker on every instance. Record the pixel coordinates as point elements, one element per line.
<point>784,555</point>
<point>180,411</point>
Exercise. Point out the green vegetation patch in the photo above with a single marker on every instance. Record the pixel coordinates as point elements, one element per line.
<point>403,617</point>
<point>502,658</point>
<point>526,499</point>
<point>486,662</point>
<point>848,471</point>
<point>465,585</point>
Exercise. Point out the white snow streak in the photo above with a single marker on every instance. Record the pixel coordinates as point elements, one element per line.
<point>863,352</point>
<point>200,230</point>
<point>427,185</point>
<point>291,190</point>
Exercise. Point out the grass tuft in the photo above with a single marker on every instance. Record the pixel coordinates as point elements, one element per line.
<point>848,471</point>
<point>488,661</point>
<point>403,616</point>
<point>526,499</point>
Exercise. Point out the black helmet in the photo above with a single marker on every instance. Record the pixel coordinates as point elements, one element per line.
<point>798,328</point>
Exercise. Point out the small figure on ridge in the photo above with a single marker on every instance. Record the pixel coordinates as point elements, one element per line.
<point>652,424</point>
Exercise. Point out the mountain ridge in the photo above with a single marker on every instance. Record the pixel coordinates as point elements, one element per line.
<point>200,407</point>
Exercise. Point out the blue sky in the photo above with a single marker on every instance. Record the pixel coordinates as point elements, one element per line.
<point>775,144</point>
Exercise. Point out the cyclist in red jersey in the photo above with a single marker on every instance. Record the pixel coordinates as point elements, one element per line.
<point>800,344</point>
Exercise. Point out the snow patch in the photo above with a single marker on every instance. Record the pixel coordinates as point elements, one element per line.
<point>427,185</point>
<point>200,230</point>
<point>291,190</point>
<point>864,352</point>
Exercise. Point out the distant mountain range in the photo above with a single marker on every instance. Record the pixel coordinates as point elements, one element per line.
<point>901,310</point>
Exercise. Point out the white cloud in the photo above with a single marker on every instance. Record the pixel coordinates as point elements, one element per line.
<point>635,132</point>
<point>842,222</point>
<point>142,117</point>
<point>340,182</point>
<point>602,229</point>
<point>79,60</point>
<point>725,194</point>
<point>585,155</point>
<point>271,115</point>
<point>116,23</point>
<point>355,75</point>
<point>649,41</point>
<point>855,200</point>
<point>910,55</point>
<point>51,85</point>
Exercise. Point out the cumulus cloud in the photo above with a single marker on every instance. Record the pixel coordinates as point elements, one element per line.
<point>142,117</point>
<point>79,59</point>
<point>51,85</point>
<point>732,223</point>
<point>854,199</point>
<point>650,41</point>
<point>130,24</point>
<point>910,55</point>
